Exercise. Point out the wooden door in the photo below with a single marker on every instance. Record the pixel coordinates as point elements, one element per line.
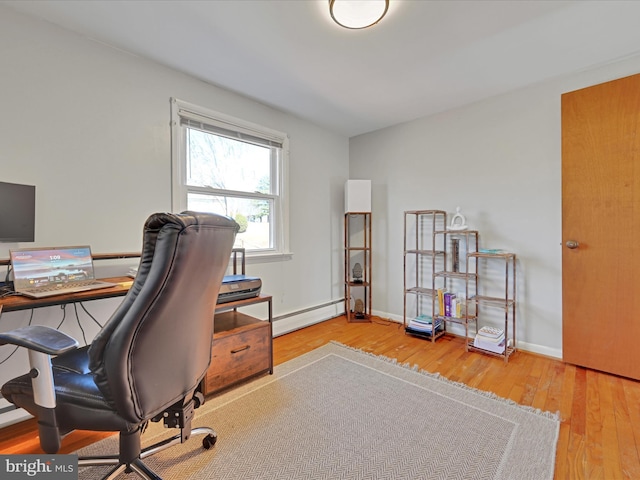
<point>601,214</point>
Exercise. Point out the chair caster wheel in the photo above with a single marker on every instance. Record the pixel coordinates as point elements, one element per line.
<point>198,400</point>
<point>209,441</point>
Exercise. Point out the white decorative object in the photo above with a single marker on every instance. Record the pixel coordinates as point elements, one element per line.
<point>357,196</point>
<point>458,221</point>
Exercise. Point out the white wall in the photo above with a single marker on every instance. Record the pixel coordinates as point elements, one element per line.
<point>500,161</point>
<point>89,126</point>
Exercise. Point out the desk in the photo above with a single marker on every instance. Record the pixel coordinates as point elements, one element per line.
<point>19,302</point>
<point>242,345</point>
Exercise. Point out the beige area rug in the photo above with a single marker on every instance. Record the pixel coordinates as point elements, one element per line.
<point>339,413</point>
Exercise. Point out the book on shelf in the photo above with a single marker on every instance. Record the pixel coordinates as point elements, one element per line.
<point>449,304</point>
<point>491,250</point>
<point>491,339</point>
<point>491,332</point>
<point>494,341</point>
<point>440,292</point>
<point>458,307</point>
<point>423,323</point>
<point>422,331</point>
<point>482,343</point>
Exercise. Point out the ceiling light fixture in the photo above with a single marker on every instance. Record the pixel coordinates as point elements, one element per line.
<point>357,14</point>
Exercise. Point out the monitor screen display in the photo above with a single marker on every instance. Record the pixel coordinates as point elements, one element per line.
<point>17,212</point>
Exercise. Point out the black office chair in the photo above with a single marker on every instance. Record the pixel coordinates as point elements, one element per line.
<point>148,361</point>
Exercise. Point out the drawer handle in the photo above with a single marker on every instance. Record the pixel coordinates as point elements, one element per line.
<point>238,350</point>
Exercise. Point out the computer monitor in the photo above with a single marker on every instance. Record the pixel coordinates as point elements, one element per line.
<point>17,212</point>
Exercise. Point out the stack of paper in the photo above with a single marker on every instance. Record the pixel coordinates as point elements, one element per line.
<point>490,338</point>
<point>424,323</point>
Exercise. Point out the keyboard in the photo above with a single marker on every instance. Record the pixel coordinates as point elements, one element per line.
<point>62,288</point>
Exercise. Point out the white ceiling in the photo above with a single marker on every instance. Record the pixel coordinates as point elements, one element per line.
<point>424,57</point>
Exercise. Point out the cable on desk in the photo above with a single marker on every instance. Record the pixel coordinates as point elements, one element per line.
<point>6,289</point>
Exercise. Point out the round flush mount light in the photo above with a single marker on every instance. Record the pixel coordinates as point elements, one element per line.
<point>356,14</point>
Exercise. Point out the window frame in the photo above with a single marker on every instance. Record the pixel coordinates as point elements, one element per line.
<point>279,170</point>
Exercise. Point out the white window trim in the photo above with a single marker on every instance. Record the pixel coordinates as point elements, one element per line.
<point>178,168</point>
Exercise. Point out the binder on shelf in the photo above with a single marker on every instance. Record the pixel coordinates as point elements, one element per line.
<point>441,309</point>
<point>449,305</point>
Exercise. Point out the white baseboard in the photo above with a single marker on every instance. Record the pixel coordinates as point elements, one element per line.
<point>540,350</point>
<point>10,414</point>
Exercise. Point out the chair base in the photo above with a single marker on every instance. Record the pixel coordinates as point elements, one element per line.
<point>135,464</point>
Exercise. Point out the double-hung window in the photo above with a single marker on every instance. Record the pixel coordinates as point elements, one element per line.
<point>228,166</point>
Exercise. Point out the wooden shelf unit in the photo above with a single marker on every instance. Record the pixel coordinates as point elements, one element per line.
<point>357,249</point>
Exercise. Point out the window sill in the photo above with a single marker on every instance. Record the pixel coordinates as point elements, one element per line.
<point>254,258</point>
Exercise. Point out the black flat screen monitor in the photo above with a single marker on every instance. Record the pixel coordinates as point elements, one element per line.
<point>17,212</point>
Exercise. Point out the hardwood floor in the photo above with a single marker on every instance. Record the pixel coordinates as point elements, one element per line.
<point>600,413</point>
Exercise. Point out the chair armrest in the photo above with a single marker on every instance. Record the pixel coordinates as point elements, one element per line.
<point>40,339</point>
<point>42,342</point>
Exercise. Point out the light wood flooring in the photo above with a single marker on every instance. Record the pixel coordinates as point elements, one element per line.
<point>600,413</point>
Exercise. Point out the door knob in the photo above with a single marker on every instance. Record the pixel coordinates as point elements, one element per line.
<point>572,244</point>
